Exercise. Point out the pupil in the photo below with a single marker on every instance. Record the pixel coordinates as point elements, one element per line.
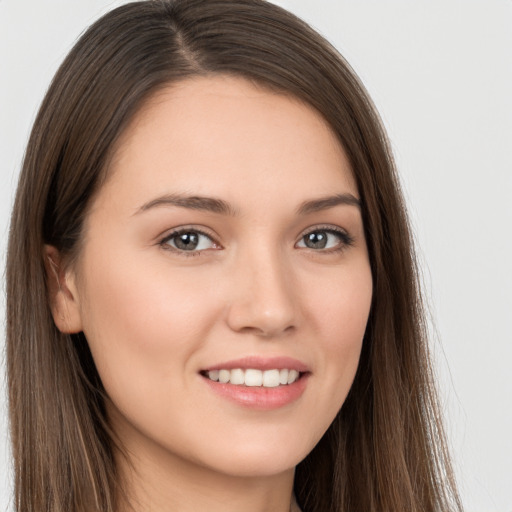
<point>187,241</point>
<point>317,240</point>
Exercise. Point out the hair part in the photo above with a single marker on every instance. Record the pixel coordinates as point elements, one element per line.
<point>386,450</point>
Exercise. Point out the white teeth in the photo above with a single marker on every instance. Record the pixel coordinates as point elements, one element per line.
<point>213,374</point>
<point>254,378</point>
<point>292,376</point>
<point>271,378</point>
<point>237,377</point>
<point>224,376</point>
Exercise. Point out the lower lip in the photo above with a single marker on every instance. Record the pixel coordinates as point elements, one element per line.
<point>259,397</point>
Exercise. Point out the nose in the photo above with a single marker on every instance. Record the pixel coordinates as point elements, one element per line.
<point>264,296</point>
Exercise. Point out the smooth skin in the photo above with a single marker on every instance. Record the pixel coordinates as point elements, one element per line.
<point>273,271</point>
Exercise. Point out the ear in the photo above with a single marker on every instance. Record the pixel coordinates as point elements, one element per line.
<point>62,292</point>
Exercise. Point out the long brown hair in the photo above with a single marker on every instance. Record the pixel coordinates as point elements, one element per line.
<point>386,450</point>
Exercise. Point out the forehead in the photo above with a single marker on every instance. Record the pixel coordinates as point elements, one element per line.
<point>215,134</point>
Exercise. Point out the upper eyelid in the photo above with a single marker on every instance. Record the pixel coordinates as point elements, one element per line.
<point>320,227</point>
<point>163,241</point>
<point>324,227</point>
<point>184,229</point>
<point>346,238</point>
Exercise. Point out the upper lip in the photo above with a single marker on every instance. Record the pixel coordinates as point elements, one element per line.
<point>261,363</point>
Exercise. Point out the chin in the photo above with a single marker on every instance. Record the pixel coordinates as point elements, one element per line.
<point>258,459</point>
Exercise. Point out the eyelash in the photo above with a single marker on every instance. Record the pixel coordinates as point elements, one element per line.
<point>345,239</point>
<point>180,231</point>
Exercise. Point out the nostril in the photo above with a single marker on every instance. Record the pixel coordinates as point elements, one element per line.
<point>261,320</point>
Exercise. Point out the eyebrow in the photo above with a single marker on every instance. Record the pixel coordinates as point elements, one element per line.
<point>219,206</point>
<point>324,203</point>
<point>208,204</point>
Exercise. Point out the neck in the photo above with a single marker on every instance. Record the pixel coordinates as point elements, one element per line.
<point>171,483</point>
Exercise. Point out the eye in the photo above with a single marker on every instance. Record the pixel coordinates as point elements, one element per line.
<point>325,239</point>
<point>188,240</point>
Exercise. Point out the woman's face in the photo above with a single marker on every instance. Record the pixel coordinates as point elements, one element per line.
<point>227,243</point>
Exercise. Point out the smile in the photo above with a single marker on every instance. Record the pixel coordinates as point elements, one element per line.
<point>253,377</point>
<point>262,383</point>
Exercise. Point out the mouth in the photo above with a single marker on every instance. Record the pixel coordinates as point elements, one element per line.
<point>253,377</point>
<point>258,383</point>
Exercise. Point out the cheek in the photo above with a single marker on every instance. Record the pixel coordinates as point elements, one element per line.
<point>144,324</point>
<point>141,318</point>
<point>342,306</point>
<point>341,316</point>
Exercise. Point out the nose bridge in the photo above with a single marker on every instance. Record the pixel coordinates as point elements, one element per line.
<point>264,299</point>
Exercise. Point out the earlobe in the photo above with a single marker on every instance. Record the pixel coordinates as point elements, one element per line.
<point>62,292</point>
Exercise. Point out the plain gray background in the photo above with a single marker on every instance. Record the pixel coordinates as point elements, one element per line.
<point>440,72</point>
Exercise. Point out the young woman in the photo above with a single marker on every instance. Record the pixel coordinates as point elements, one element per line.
<point>212,300</point>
